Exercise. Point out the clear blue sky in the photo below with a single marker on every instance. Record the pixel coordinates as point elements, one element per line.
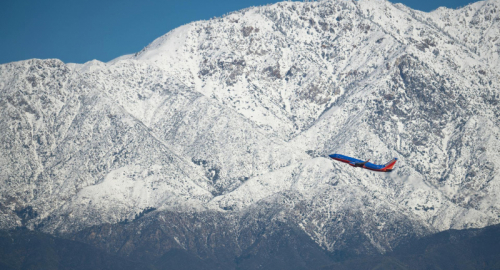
<point>81,30</point>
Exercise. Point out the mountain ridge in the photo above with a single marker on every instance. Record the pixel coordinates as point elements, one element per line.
<point>233,118</point>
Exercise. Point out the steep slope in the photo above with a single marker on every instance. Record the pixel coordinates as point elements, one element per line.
<point>82,145</point>
<point>230,120</point>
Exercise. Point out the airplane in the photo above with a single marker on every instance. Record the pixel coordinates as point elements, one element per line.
<point>365,164</point>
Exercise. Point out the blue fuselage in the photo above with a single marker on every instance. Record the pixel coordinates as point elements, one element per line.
<point>357,162</point>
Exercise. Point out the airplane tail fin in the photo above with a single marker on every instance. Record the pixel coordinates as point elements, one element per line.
<point>390,165</point>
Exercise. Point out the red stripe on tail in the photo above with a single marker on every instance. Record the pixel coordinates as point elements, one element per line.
<point>390,165</point>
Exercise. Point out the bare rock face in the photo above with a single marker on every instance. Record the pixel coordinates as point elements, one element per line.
<point>215,136</point>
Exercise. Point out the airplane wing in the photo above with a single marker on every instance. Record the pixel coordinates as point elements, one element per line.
<point>361,163</point>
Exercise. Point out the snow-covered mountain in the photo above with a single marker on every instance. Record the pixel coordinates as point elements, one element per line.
<point>222,128</point>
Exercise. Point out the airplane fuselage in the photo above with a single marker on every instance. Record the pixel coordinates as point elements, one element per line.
<point>365,164</point>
